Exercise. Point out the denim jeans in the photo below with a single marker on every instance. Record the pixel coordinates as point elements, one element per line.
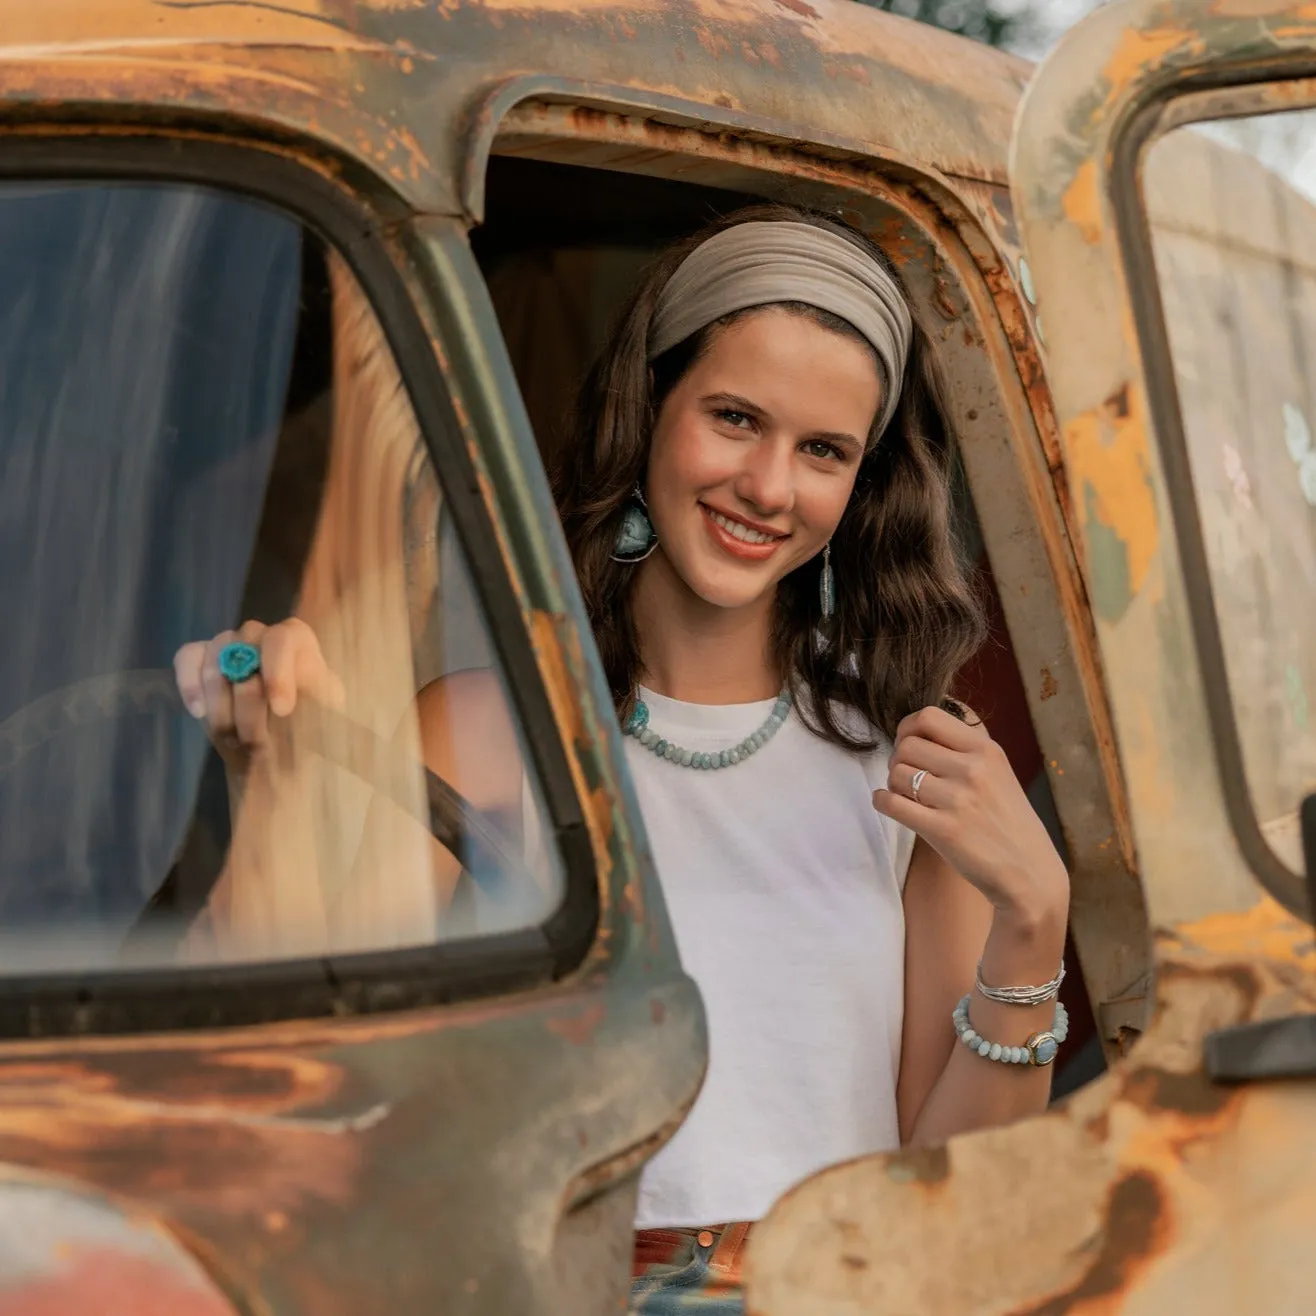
<point>689,1272</point>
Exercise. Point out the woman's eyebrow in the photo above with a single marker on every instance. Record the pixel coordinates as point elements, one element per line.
<point>736,401</point>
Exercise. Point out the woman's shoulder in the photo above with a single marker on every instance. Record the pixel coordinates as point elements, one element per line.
<point>466,727</point>
<point>478,687</point>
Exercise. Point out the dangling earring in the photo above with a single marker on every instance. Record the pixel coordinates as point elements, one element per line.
<point>636,537</point>
<point>827,584</point>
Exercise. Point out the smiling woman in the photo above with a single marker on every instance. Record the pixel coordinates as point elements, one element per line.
<point>837,851</point>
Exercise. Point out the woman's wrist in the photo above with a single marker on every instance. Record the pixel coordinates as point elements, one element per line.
<point>1026,942</point>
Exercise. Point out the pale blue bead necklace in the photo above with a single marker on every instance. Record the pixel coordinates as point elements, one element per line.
<point>637,725</point>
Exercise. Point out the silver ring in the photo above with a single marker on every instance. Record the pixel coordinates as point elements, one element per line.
<point>915,782</point>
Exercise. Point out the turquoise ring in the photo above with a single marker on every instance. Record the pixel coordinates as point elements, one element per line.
<point>239,662</point>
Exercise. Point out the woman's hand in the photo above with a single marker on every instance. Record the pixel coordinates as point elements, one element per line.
<point>973,812</point>
<point>238,717</point>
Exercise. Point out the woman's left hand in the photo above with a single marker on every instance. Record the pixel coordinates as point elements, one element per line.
<point>973,812</point>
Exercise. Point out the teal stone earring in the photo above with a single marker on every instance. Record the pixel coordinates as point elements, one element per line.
<point>827,584</point>
<point>636,537</point>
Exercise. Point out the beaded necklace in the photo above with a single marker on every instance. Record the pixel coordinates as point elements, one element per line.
<point>637,726</point>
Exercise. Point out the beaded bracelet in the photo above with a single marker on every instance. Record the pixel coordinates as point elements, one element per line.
<point>1040,1049</point>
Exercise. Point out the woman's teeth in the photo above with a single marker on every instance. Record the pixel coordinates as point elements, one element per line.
<point>741,531</point>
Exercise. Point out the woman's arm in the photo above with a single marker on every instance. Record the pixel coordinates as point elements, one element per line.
<point>944,1088</point>
<point>985,882</point>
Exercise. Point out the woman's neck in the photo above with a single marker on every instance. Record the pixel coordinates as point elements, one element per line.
<point>697,652</point>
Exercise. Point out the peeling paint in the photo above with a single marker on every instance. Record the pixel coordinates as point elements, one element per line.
<point>1108,464</point>
<point>1026,281</point>
<point>1297,433</point>
<point>1082,203</point>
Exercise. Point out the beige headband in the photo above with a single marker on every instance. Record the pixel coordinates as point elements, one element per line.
<point>764,262</point>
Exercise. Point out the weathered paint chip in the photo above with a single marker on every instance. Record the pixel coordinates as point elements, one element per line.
<point>1297,433</point>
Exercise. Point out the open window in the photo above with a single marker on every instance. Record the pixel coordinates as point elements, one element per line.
<point>559,282</point>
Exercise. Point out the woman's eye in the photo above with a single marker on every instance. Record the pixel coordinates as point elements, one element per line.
<point>737,419</point>
<point>821,448</point>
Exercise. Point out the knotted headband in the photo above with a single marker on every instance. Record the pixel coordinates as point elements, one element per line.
<point>770,261</point>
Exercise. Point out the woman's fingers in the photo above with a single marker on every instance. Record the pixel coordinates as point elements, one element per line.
<point>933,792</point>
<point>217,691</point>
<point>250,710</point>
<point>938,726</point>
<point>187,673</point>
<point>292,665</point>
<point>917,752</point>
<point>917,817</point>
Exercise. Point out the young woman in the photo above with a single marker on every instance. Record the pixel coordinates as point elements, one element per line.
<point>757,502</point>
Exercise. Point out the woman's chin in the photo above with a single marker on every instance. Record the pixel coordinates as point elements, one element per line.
<point>732,595</point>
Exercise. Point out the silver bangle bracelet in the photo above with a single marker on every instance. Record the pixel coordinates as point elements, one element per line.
<point>1021,995</point>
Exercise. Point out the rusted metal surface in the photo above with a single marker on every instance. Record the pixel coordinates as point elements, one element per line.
<point>474,1159</point>
<point>421,1162</point>
<point>409,91</point>
<point>64,1250</point>
<point>1152,1190</point>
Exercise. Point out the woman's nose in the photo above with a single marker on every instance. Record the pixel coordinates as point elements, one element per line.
<point>767,481</point>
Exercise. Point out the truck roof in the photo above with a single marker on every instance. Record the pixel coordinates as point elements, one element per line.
<point>413,89</point>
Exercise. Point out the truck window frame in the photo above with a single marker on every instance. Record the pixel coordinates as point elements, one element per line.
<point>355,224</point>
<point>1223,92</point>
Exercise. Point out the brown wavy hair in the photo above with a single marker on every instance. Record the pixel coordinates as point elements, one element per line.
<point>906,615</point>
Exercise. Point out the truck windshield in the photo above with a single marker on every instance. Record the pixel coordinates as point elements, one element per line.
<point>201,424</point>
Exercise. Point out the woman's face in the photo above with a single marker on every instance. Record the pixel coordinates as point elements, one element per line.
<point>755,453</point>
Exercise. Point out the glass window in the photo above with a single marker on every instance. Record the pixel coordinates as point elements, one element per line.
<point>201,425</point>
<point>1233,214</point>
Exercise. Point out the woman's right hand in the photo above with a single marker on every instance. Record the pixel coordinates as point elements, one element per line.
<point>238,717</point>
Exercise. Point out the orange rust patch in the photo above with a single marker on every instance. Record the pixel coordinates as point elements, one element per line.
<point>1049,686</point>
<point>1137,1229</point>
<point>1140,50</point>
<point>579,1028</point>
<point>1081,202</point>
<point>1110,470</point>
<point>1266,929</point>
<point>927,1166</point>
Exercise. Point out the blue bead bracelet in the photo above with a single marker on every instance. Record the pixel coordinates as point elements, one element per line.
<point>239,662</point>
<point>1040,1049</point>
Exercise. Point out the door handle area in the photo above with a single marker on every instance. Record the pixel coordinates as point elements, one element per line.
<point>1273,1048</point>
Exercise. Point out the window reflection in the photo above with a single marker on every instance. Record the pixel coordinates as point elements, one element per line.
<point>1233,213</point>
<point>201,424</point>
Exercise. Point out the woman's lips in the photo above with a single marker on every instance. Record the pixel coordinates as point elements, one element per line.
<point>726,541</point>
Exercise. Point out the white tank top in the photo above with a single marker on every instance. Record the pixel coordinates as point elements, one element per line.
<point>784,887</point>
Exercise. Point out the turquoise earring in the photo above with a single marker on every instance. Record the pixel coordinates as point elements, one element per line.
<point>827,584</point>
<point>636,537</point>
